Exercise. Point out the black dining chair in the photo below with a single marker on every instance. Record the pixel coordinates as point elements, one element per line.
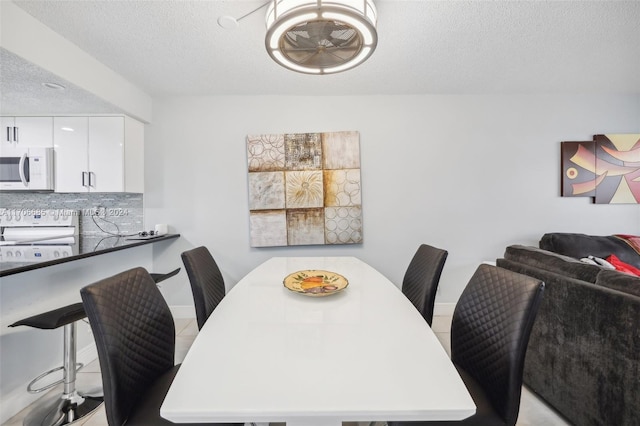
<point>135,338</point>
<point>490,331</point>
<point>422,277</point>
<point>207,283</point>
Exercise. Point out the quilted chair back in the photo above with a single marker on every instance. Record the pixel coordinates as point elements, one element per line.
<point>490,331</point>
<point>135,337</point>
<point>422,277</point>
<point>207,284</point>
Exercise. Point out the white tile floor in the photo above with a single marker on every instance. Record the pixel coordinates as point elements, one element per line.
<point>533,411</point>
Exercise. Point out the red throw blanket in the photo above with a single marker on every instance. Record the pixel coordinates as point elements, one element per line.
<point>621,266</point>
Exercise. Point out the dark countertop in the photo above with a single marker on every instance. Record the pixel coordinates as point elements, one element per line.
<point>85,247</point>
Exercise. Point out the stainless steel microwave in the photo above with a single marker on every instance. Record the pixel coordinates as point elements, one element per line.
<point>26,169</point>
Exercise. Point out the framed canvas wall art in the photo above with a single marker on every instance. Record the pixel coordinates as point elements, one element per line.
<point>304,189</point>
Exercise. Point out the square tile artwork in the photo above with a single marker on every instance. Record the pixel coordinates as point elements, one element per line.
<point>304,189</point>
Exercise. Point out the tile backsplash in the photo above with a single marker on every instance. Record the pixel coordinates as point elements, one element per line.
<point>119,212</point>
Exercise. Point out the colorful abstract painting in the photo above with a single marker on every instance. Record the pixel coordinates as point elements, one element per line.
<point>578,169</point>
<point>607,169</point>
<point>304,189</point>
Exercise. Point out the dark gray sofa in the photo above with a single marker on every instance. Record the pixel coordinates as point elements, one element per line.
<point>584,352</point>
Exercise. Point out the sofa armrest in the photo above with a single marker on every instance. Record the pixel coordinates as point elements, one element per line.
<point>620,281</point>
<point>584,349</point>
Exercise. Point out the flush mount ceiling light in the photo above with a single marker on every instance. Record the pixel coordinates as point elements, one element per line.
<point>321,36</point>
<point>54,86</point>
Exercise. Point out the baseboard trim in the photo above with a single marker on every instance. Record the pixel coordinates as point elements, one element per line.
<point>18,399</point>
<point>442,314</point>
<point>444,309</point>
<point>183,311</point>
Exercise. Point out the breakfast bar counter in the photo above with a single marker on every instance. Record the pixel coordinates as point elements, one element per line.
<point>34,257</point>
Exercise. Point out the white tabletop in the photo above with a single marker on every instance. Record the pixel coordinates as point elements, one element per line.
<point>267,354</point>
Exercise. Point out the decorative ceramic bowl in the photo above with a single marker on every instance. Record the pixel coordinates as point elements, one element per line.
<point>315,282</point>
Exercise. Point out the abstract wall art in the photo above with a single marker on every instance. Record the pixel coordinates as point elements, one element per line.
<point>606,169</point>
<point>304,189</point>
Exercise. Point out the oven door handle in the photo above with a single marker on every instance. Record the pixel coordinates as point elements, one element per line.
<point>21,165</point>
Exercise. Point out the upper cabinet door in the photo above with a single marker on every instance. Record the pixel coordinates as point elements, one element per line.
<point>99,154</point>
<point>71,135</point>
<point>106,154</point>
<point>7,136</point>
<point>35,131</point>
<point>24,132</point>
<point>133,155</point>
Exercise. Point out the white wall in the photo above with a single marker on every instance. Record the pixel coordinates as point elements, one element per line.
<point>470,174</point>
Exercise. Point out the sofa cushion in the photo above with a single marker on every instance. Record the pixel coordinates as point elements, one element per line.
<point>581,245</point>
<point>553,262</point>
<point>620,281</point>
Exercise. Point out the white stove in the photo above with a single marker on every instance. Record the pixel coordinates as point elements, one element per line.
<point>38,235</point>
<point>30,254</point>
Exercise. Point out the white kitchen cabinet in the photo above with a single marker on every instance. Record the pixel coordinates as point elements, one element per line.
<point>71,151</point>
<point>99,154</point>
<point>21,132</point>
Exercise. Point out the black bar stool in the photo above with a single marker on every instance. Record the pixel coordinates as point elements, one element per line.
<point>161,277</point>
<point>71,405</point>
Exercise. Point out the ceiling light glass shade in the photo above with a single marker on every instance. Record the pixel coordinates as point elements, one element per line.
<point>321,36</point>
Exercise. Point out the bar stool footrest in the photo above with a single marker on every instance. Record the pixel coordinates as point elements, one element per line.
<point>30,389</point>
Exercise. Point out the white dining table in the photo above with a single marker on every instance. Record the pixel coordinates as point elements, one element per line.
<point>267,354</point>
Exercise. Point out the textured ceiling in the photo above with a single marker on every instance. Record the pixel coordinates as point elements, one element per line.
<point>172,48</point>
<point>23,92</point>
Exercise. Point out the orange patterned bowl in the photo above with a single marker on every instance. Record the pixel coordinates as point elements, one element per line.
<point>315,282</point>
